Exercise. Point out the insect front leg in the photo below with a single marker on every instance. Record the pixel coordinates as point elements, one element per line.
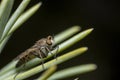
<point>56,48</point>
<point>46,50</point>
<point>50,51</point>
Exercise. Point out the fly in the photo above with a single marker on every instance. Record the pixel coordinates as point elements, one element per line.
<point>40,49</point>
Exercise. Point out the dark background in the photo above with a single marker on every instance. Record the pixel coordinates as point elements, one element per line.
<point>57,15</point>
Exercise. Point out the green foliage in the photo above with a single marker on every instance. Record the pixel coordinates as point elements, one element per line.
<point>72,71</point>
<point>8,24</point>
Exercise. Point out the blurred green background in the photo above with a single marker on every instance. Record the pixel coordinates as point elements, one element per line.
<point>57,15</point>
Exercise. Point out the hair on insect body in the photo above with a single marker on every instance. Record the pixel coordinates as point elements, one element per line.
<point>40,49</point>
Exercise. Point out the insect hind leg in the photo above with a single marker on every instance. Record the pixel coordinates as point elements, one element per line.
<point>19,71</point>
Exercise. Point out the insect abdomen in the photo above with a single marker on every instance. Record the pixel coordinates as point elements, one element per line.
<point>24,59</point>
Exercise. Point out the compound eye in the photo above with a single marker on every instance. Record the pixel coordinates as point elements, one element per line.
<point>49,40</point>
<point>49,37</point>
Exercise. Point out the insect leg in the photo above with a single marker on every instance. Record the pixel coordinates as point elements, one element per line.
<point>22,67</point>
<point>55,52</point>
<point>19,71</point>
<point>56,48</point>
<point>40,56</point>
<point>49,51</point>
<point>16,75</point>
<point>44,51</point>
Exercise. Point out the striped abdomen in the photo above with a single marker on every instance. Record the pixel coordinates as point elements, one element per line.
<point>25,59</point>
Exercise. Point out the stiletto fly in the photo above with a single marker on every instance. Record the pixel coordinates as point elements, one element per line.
<point>40,49</point>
